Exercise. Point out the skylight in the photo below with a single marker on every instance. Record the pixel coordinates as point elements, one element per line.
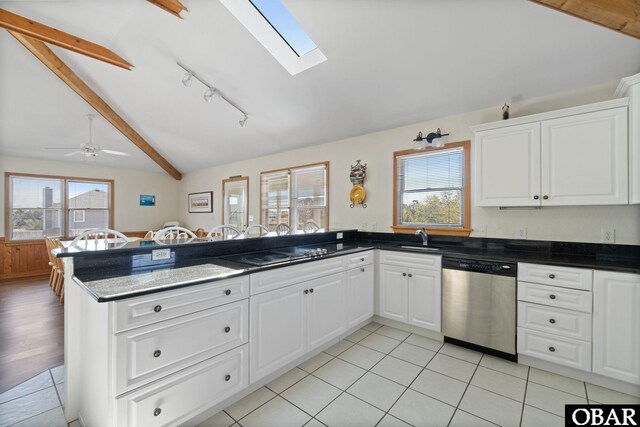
<point>274,27</point>
<point>285,25</point>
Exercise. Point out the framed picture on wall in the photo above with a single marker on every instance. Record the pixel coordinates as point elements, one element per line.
<point>201,202</point>
<point>147,200</point>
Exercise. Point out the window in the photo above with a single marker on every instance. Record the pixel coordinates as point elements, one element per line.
<point>432,190</point>
<point>295,196</point>
<point>271,23</point>
<point>41,205</point>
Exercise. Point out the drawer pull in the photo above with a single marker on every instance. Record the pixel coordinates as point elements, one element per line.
<point>536,197</point>
<point>157,353</point>
<point>545,197</point>
<point>227,329</point>
<point>306,291</point>
<point>552,276</point>
<point>362,259</point>
<point>227,377</point>
<point>157,308</point>
<point>410,275</point>
<point>157,412</point>
<point>311,290</point>
<point>404,274</point>
<point>227,292</point>
<point>552,321</point>
<point>552,349</point>
<point>552,296</point>
<point>362,269</point>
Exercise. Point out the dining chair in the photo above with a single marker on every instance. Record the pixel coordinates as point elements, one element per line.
<point>174,233</point>
<point>57,269</point>
<point>49,246</point>
<point>149,235</point>
<point>283,229</point>
<point>227,232</point>
<point>201,232</point>
<point>99,238</point>
<point>310,227</point>
<point>255,230</point>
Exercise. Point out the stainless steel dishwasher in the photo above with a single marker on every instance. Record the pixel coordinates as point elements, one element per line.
<point>479,305</point>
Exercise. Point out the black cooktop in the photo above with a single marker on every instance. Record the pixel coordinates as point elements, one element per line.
<point>281,255</point>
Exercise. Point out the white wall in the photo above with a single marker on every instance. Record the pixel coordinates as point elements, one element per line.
<point>580,224</point>
<point>128,185</point>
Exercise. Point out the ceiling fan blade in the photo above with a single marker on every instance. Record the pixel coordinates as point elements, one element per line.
<point>115,153</point>
<point>72,154</point>
<point>61,148</point>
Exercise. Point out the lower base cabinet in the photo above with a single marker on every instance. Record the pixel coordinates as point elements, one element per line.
<point>360,295</point>
<point>175,399</point>
<point>616,325</point>
<point>289,322</point>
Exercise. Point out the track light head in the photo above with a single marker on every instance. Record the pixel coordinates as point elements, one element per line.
<point>187,79</point>
<point>243,120</point>
<point>211,93</point>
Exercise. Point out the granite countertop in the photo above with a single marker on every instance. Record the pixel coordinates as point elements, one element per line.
<point>126,281</point>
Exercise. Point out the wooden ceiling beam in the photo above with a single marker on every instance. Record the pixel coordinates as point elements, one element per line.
<point>60,69</point>
<point>174,7</point>
<point>29,28</point>
<point>619,15</point>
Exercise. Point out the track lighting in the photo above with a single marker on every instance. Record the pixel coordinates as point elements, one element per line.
<point>434,139</point>
<point>187,79</point>
<point>211,92</point>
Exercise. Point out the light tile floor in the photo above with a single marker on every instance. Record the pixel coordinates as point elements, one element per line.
<point>378,376</point>
<point>381,376</point>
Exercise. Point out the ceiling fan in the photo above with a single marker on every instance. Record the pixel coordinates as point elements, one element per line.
<point>90,149</point>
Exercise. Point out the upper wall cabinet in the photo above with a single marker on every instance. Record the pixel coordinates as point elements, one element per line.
<point>576,156</point>
<point>630,87</point>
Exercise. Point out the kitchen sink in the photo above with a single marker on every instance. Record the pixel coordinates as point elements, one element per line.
<point>420,248</point>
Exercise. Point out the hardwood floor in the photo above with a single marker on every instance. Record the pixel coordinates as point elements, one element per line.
<point>31,330</point>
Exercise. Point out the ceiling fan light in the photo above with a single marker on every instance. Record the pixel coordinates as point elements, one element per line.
<point>243,120</point>
<point>211,93</point>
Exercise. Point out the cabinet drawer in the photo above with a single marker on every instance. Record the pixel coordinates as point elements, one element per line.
<point>560,350</point>
<point>285,276</point>
<point>181,396</point>
<point>553,320</point>
<point>150,352</point>
<point>575,278</point>
<point>144,310</point>
<point>555,297</point>
<point>406,259</point>
<point>359,259</point>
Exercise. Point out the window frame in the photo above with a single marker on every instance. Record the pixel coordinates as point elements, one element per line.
<point>64,208</point>
<point>79,211</point>
<point>463,231</point>
<point>292,208</point>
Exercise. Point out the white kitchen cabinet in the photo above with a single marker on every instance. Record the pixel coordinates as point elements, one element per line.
<point>394,291</point>
<point>509,166</point>
<point>576,156</point>
<point>425,287</point>
<point>630,87</point>
<point>616,325</point>
<point>411,294</point>
<point>326,309</point>
<point>584,159</point>
<point>360,295</point>
<point>278,329</point>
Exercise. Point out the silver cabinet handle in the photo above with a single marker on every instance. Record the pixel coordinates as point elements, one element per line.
<point>157,412</point>
<point>545,197</point>
<point>227,292</point>
<point>552,321</point>
<point>404,274</point>
<point>410,275</point>
<point>227,329</point>
<point>157,308</point>
<point>157,353</point>
<point>552,296</point>
<point>552,276</point>
<point>552,349</point>
<point>362,259</point>
<point>306,291</point>
<point>536,197</point>
<point>311,290</point>
<point>227,377</point>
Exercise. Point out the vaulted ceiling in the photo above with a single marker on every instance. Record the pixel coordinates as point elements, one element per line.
<point>390,63</point>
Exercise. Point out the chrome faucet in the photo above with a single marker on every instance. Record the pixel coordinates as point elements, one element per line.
<point>422,232</point>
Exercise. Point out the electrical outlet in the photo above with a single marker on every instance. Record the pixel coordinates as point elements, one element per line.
<point>250,218</point>
<point>522,233</point>
<point>608,235</point>
<point>480,230</point>
<point>339,236</point>
<point>159,254</point>
<point>373,226</point>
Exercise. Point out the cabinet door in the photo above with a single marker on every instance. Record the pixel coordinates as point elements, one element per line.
<point>585,159</point>
<point>507,166</point>
<point>393,292</point>
<point>278,333</point>
<point>359,295</point>
<point>425,298</point>
<point>326,309</point>
<point>616,325</point>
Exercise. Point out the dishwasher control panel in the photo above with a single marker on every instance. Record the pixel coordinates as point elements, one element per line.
<point>481,266</point>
